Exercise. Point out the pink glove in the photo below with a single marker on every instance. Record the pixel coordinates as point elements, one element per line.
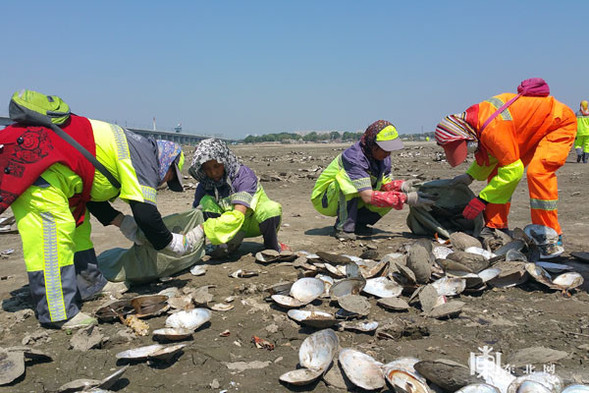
<point>388,199</point>
<point>474,208</point>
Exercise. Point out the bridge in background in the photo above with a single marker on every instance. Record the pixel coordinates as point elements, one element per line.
<point>181,138</point>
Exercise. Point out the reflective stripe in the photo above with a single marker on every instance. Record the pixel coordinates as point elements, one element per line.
<point>543,204</point>
<point>497,103</point>
<point>53,290</point>
<point>121,142</point>
<point>362,183</point>
<point>342,214</point>
<point>149,194</point>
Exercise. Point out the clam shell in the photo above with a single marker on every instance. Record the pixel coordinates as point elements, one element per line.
<point>335,259</point>
<point>479,388</point>
<point>554,267</point>
<point>222,307</point>
<point>382,287</point>
<point>327,282</point>
<point>282,288</point>
<point>354,304</point>
<point>336,271</point>
<point>191,320</point>
<point>576,389</point>
<point>302,376</point>
<point>540,234</point>
<point>447,374</point>
<point>139,353</point>
<point>407,274</point>
<point>568,281</point>
<point>173,334</point>
<point>462,241</point>
<point>515,255</point>
<point>318,350</point>
<point>428,297</point>
<point>393,304</point>
<point>536,383</point>
<point>480,251</point>
<point>180,302</point>
<point>489,273</point>
<point>166,353</point>
<point>287,301</point>
<point>78,385</point>
<point>198,270</point>
<point>471,280</point>
<point>360,326</point>
<point>420,261</point>
<point>361,369</point>
<point>441,252</point>
<point>447,286</point>
<point>109,312</point>
<point>12,366</point>
<point>539,274</point>
<point>474,262</point>
<point>447,310</point>
<point>374,269</point>
<point>149,305</point>
<point>110,380</point>
<point>315,318</point>
<point>401,375</point>
<point>170,292</point>
<point>347,286</point>
<point>512,273</point>
<point>517,245</point>
<point>307,289</point>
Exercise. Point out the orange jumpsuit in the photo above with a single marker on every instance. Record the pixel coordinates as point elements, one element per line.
<point>534,133</point>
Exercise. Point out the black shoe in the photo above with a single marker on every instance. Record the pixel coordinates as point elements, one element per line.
<point>579,158</point>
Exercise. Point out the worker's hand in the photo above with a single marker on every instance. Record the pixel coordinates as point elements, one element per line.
<point>195,237</point>
<point>465,179</point>
<point>179,244</point>
<point>128,227</point>
<point>474,208</point>
<point>410,185</point>
<point>420,199</point>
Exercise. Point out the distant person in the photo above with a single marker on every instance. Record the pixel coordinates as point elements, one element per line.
<point>234,203</point>
<point>510,132</point>
<point>356,187</point>
<point>50,185</point>
<point>582,140</point>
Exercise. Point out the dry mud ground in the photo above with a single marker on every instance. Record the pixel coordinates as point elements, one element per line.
<point>508,320</point>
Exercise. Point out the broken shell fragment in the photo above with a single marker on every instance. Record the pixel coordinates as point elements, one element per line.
<point>361,369</point>
<point>316,318</point>
<point>222,307</point>
<point>12,366</point>
<point>191,319</point>
<point>198,270</point>
<point>240,273</point>
<point>360,326</point>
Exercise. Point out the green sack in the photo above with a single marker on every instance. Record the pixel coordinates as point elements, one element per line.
<point>141,264</point>
<point>34,108</point>
<point>445,217</point>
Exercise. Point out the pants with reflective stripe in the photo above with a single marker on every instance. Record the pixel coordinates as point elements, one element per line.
<point>60,259</point>
<point>542,163</point>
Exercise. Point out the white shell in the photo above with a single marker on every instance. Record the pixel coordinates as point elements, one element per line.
<point>318,350</point>
<point>568,280</point>
<point>173,333</point>
<point>382,287</point>
<point>533,383</point>
<point>327,282</point>
<point>360,326</point>
<point>287,301</point>
<point>489,273</point>
<point>478,388</point>
<point>441,252</point>
<point>403,377</point>
<point>166,353</point>
<point>361,369</point>
<point>447,286</point>
<point>480,251</point>
<point>347,286</point>
<point>338,271</point>
<point>315,318</point>
<point>576,389</point>
<point>139,353</point>
<point>191,319</point>
<point>198,270</point>
<point>302,376</point>
<point>538,273</point>
<point>541,234</point>
<point>307,289</point>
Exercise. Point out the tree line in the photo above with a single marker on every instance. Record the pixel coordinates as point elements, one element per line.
<point>332,136</point>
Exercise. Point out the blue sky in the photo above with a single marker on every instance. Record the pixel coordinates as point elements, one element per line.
<point>235,68</point>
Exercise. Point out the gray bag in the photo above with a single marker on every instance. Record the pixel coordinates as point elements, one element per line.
<point>141,264</point>
<point>445,217</point>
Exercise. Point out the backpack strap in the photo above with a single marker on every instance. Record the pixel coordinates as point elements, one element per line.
<point>498,112</point>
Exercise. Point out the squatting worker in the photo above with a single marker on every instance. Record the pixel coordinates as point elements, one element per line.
<point>509,133</point>
<point>234,203</point>
<point>51,188</point>
<point>582,140</point>
<point>356,187</point>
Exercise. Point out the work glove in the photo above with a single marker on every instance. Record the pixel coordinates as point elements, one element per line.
<point>420,199</point>
<point>129,229</point>
<point>392,199</point>
<point>195,237</point>
<point>465,179</point>
<point>474,208</point>
<point>410,185</point>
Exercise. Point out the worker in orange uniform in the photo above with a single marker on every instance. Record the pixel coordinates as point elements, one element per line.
<point>510,132</point>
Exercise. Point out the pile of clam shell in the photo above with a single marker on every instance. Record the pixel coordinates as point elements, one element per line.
<point>411,375</point>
